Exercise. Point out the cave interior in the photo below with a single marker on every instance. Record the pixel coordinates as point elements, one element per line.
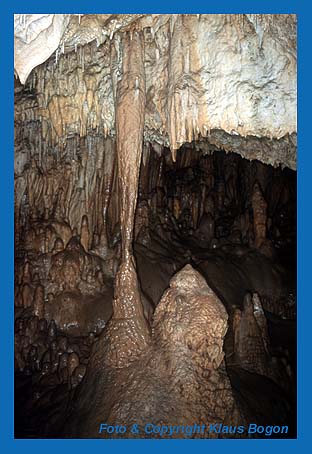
<point>115,228</point>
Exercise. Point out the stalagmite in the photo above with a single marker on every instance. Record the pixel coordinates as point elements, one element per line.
<point>259,207</point>
<point>27,294</point>
<point>26,278</point>
<point>250,348</point>
<point>261,320</point>
<point>39,302</point>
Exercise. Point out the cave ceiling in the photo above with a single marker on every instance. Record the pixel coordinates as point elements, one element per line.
<point>224,81</point>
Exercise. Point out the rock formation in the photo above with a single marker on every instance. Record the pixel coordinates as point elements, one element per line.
<point>144,145</point>
<point>222,90</point>
<point>179,378</point>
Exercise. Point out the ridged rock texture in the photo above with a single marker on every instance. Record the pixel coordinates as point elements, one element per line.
<point>228,78</point>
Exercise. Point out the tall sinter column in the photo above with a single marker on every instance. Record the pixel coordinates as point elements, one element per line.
<point>128,330</point>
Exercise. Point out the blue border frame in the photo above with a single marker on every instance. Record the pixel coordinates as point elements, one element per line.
<point>7,9</point>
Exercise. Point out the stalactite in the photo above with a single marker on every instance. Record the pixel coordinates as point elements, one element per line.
<point>109,164</point>
<point>85,233</point>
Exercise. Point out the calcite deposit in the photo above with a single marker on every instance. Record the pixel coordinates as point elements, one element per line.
<point>179,377</point>
<point>155,222</point>
<point>228,78</point>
